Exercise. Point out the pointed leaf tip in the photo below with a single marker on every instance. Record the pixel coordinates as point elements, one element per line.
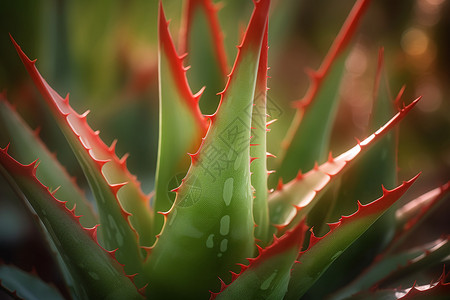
<point>178,71</point>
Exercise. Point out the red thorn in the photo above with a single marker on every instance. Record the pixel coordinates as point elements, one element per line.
<point>270,155</point>
<point>316,166</point>
<point>55,190</point>
<point>124,158</point>
<point>112,148</point>
<point>299,175</point>
<point>164,213</point>
<point>199,93</point>
<point>398,98</point>
<point>84,115</point>
<point>271,122</point>
<point>37,131</point>
<point>280,184</point>
<point>194,157</point>
<point>116,187</point>
<point>183,56</point>
<point>330,157</point>
<point>253,158</point>
<point>143,290</point>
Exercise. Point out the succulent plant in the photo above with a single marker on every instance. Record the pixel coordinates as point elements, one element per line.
<point>222,233</point>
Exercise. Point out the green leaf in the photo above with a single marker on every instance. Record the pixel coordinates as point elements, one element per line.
<point>437,291</point>
<point>436,254</point>
<point>411,216</point>
<point>210,226</point>
<point>177,136</point>
<point>267,275</point>
<point>202,38</point>
<point>27,147</point>
<point>258,150</point>
<point>308,136</point>
<point>378,166</point>
<point>26,285</point>
<point>294,200</point>
<point>96,271</point>
<point>398,262</point>
<point>323,251</point>
<point>107,175</point>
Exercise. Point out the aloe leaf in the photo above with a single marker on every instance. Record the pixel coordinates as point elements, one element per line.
<point>258,149</point>
<point>107,175</point>
<point>51,173</point>
<point>296,198</point>
<point>384,266</point>
<point>378,166</point>
<point>177,136</point>
<point>410,216</point>
<point>267,275</point>
<point>437,254</point>
<point>202,37</point>
<point>96,271</point>
<point>217,230</point>
<point>324,250</point>
<point>308,136</point>
<point>436,290</point>
<point>26,285</point>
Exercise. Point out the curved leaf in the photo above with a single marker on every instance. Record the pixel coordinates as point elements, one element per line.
<point>202,38</point>
<point>309,133</point>
<point>324,250</point>
<point>28,148</point>
<point>177,135</point>
<point>106,173</point>
<point>216,230</point>
<point>258,149</point>
<point>300,193</point>
<point>267,275</point>
<point>96,271</point>
<point>26,285</point>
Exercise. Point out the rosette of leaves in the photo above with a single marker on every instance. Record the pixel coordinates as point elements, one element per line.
<point>222,233</point>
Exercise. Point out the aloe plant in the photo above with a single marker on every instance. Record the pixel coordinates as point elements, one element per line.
<point>222,233</point>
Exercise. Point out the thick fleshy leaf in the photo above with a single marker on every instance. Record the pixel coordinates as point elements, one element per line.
<point>308,137</point>
<point>202,38</point>
<point>26,146</point>
<point>96,271</point>
<point>408,216</point>
<point>435,255</point>
<point>258,149</point>
<point>26,285</point>
<point>211,220</point>
<point>296,198</point>
<point>382,267</point>
<point>177,135</point>
<point>267,275</point>
<point>437,291</point>
<point>414,213</point>
<point>323,251</point>
<point>107,175</point>
<point>378,166</point>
